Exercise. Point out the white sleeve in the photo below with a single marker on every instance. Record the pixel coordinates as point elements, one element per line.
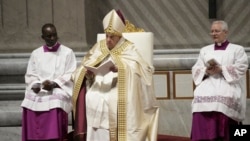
<point>235,71</point>
<point>31,76</point>
<point>199,70</point>
<point>64,81</point>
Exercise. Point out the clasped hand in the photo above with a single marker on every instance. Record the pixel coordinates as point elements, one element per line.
<point>213,69</point>
<point>113,68</point>
<point>46,85</point>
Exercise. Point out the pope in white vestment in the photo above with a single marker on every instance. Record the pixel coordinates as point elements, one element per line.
<point>120,104</point>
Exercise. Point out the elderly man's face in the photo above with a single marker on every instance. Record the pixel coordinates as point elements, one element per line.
<point>112,40</point>
<point>217,33</point>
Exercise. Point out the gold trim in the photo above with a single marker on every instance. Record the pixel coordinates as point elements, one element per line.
<point>121,103</point>
<point>76,90</point>
<point>79,81</point>
<point>121,131</point>
<point>131,27</point>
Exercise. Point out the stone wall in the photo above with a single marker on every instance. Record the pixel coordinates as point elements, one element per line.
<point>176,24</point>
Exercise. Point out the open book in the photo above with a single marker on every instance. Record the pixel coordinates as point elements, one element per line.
<point>102,69</point>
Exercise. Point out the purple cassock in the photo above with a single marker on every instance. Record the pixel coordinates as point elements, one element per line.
<point>46,125</point>
<point>210,125</point>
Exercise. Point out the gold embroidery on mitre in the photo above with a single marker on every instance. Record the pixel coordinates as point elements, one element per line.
<point>109,29</point>
<point>132,28</point>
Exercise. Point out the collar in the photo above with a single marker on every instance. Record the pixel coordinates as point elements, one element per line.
<point>221,46</point>
<point>54,48</point>
<point>119,43</point>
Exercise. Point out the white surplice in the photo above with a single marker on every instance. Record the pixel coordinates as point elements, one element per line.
<point>54,66</point>
<point>224,92</point>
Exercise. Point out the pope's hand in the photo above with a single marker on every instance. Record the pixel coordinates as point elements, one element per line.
<point>113,69</point>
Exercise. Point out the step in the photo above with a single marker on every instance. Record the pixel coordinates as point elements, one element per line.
<point>12,91</point>
<point>11,114</point>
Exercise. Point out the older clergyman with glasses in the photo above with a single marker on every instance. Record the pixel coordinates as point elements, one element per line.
<point>219,97</point>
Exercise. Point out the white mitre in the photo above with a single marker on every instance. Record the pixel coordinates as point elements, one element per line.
<point>113,24</point>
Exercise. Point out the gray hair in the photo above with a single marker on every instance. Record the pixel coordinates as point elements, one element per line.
<point>223,23</point>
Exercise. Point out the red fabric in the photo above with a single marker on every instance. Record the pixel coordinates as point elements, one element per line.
<point>172,138</point>
<point>80,123</point>
<point>121,16</point>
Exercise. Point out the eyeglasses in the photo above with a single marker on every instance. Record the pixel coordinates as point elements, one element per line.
<point>215,31</point>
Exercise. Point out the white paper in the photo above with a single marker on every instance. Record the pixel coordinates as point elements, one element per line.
<point>102,69</point>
